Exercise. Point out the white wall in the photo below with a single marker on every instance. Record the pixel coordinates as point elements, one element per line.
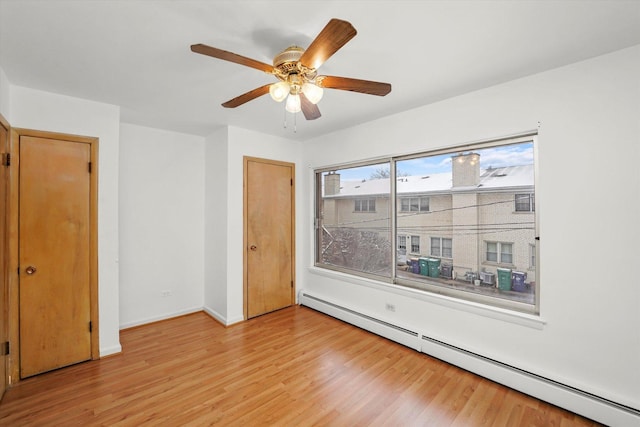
<point>221,211</point>
<point>216,214</point>
<point>5,108</point>
<point>161,216</point>
<point>588,183</point>
<point>33,109</point>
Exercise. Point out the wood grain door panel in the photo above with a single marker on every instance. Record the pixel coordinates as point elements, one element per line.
<point>269,256</point>
<point>54,239</point>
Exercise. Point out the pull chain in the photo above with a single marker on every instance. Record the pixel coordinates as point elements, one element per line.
<point>285,117</point>
<point>295,123</point>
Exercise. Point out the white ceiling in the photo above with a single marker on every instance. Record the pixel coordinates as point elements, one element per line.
<point>135,53</point>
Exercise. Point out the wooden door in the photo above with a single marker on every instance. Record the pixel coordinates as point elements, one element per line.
<point>269,236</point>
<point>54,254</point>
<point>4,256</point>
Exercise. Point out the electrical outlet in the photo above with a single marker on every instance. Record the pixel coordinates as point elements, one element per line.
<point>165,293</point>
<point>390,307</point>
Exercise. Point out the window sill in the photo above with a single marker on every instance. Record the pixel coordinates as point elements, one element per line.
<point>499,264</point>
<point>510,316</point>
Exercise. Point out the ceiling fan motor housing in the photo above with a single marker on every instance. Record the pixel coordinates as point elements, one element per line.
<point>287,65</point>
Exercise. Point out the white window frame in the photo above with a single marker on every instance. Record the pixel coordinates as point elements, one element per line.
<point>401,238</point>
<point>440,252</point>
<point>489,301</point>
<point>421,204</point>
<point>359,204</point>
<point>519,202</point>
<point>499,252</point>
<point>416,245</point>
<point>532,256</point>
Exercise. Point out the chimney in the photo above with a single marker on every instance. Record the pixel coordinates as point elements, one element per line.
<point>466,169</point>
<point>331,183</point>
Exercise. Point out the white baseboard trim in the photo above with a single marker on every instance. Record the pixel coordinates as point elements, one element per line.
<point>567,397</point>
<point>222,319</point>
<point>159,317</point>
<point>108,351</point>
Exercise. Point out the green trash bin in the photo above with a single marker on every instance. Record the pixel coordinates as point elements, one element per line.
<point>434,267</point>
<point>504,279</point>
<point>424,266</point>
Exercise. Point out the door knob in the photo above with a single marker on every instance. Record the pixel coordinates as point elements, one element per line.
<point>30,270</point>
<point>253,247</point>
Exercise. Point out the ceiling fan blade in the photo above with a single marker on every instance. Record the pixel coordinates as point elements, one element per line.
<point>354,85</point>
<point>310,110</point>
<point>246,97</point>
<point>232,57</point>
<point>332,37</point>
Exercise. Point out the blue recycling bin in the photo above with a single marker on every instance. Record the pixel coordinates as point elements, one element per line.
<point>518,278</point>
<point>415,266</point>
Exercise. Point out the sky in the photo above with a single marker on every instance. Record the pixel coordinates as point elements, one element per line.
<point>508,155</point>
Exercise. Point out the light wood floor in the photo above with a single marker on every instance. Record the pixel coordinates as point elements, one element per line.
<point>294,367</point>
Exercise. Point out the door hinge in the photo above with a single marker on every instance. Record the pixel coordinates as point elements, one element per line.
<point>292,182</point>
<point>90,327</point>
<point>4,350</point>
<point>89,167</point>
<point>292,283</point>
<point>6,159</point>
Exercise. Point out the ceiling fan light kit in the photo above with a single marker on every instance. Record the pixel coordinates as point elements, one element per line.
<point>296,68</point>
<point>279,91</point>
<point>293,104</point>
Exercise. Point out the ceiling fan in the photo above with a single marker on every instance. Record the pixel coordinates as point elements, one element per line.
<point>296,70</point>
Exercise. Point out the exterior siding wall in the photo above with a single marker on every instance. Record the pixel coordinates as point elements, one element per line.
<point>498,209</point>
<point>450,216</point>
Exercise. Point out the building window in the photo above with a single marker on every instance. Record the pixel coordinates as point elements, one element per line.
<point>441,247</point>
<point>506,253</point>
<point>402,242</point>
<point>525,202</point>
<point>365,205</point>
<point>414,204</point>
<point>532,256</point>
<point>461,200</point>
<point>499,252</point>
<point>415,244</point>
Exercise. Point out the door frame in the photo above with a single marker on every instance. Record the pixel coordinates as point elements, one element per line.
<point>13,252</point>
<point>4,262</point>
<point>245,227</point>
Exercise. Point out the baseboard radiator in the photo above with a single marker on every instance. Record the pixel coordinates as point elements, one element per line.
<point>581,402</point>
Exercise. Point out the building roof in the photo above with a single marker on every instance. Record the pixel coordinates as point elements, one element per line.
<point>511,178</point>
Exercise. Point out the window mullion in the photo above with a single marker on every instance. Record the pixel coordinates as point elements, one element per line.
<point>392,216</point>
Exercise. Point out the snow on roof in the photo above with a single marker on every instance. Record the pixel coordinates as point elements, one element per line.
<point>511,176</point>
<point>490,179</point>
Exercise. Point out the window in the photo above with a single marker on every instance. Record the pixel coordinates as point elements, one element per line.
<point>499,252</point>
<point>525,202</point>
<point>532,256</point>
<point>492,252</point>
<point>461,200</point>
<point>346,240</point>
<point>365,205</point>
<point>506,253</point>
<point>441,247</point>
<point>402,242</point>
<point>415,244</point>
<point>414,204</point>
